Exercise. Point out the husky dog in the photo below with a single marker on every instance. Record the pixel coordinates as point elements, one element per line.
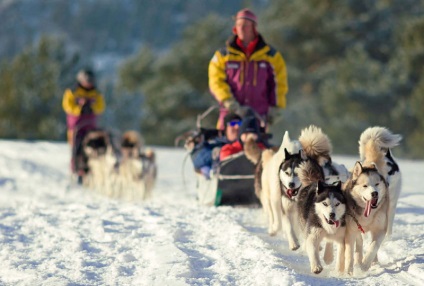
<point>384,140</point>
<point>369,195</point>
<point>137,170</point>
<point>101,158</point>
<point>372,193</point>
<point>323,209</point>
<point>368,201</point>
<point>280,187</point>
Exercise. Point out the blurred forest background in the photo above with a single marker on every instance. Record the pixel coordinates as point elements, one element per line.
<point>351,64</point>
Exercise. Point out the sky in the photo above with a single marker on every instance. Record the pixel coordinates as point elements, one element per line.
<point>55,233</point>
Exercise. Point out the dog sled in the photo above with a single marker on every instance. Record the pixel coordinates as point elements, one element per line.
<point>231,181</point>
<point>111,164</point>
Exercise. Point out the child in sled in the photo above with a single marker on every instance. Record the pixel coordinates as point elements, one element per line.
<point>204,154</point>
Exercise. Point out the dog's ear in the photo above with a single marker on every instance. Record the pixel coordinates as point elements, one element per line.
<point>320,187</point>
<point>286,154</point>
<point>286,138</point>
<point>338,185</point>
<point>357,169</point>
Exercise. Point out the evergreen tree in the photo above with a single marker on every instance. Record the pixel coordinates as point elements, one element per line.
<point>31,101</point>
<point>175,84</point>
<point>351,65</point>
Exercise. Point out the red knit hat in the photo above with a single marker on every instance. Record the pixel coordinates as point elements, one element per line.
<point>246,14</point>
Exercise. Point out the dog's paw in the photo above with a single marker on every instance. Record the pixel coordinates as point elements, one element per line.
<point>365,266</point>
<point>272,232</point>
<point>316,269</point>
<point>294,246</point>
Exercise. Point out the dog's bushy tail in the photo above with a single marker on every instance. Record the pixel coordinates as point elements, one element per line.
<point>310,172</point>
<point>252,150</point>
<point>316,144</point>
<point>380,137</point>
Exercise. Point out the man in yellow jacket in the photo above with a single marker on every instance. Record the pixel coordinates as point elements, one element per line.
<point>82,104</point>
<point>247,72</point>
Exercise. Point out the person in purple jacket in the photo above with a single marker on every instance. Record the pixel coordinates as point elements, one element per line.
<point>247,72</point>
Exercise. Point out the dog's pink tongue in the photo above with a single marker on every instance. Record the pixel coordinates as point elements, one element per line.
<point>290,193</point>
<point>367,210</point>
<point>337,223</point>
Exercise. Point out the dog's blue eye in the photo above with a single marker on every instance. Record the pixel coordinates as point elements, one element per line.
<point>337,204</point>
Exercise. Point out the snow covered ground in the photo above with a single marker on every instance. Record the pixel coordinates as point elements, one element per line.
<point>54,234</point>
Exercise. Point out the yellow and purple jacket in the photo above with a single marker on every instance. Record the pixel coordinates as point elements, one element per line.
<point>259,81</point>
<point>73,108</point>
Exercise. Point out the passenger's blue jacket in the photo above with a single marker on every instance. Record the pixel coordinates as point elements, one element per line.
<point>202,153</point>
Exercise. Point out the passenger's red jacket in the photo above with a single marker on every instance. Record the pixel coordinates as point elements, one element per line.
<point>233,148</point>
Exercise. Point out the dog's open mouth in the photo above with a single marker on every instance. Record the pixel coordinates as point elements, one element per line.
<point>291,193</point>
<point>371,204</point>
<point>336,223</point>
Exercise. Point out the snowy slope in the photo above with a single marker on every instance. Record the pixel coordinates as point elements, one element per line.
<point>54,234</point>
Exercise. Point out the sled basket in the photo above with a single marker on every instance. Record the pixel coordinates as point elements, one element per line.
<point>236,181</point>
<point>232,184</point>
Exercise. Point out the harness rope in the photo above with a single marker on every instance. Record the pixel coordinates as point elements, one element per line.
<point>357,222</point>
<point>182,170</point>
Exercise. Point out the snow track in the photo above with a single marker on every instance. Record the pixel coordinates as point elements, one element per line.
<point>54,234</point>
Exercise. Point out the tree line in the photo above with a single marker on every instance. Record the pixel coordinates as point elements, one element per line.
<point>351,65</point>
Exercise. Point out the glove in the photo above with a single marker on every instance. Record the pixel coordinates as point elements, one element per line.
<point>86,108</point>
<point>231,104</point>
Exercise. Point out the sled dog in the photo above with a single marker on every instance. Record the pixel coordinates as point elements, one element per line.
<point>322,209</point>
<point>137,170</point>
<point>384,140</point>
<point>280,185</point>
<point>367,196</point>
<point>372,193</point>
<point>101,159</point>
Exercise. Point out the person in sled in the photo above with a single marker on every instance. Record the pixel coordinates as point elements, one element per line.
<point>248,72</point>
<point>82,105</point>
<point>206,155</point>
<point>249,125</point>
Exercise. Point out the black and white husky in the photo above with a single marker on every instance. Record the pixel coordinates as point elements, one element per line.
<point>372,194</point>
<point>322,208</point>
<point>279,187</point>
<point>279,182</point>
